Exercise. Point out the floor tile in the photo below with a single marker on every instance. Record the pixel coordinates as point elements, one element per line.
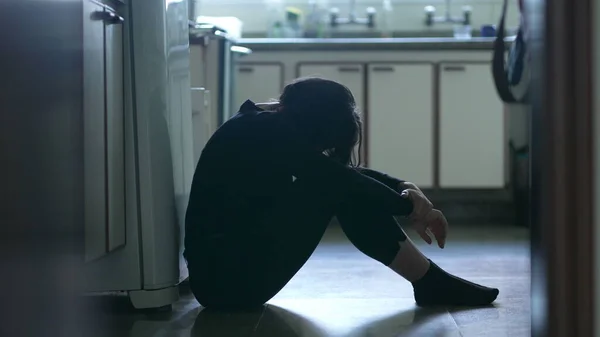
<point>509,317</point>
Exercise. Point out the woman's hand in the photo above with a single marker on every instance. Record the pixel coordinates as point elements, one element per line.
<point>421,205</point>
<point>428,222</point>
<point>407,185</point>
<point>269,106</point>
<point>433,225</point>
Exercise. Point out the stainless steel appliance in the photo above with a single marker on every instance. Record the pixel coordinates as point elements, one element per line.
<point>213,54</point>
<point>138,163</point>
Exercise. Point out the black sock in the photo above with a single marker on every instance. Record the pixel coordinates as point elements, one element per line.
<point>438,287</point>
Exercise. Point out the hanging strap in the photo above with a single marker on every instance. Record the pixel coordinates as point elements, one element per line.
<point>499,71</point>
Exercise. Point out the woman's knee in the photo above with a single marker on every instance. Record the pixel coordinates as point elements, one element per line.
<point>225,296</point>
<point>369,223</point>
<point>374,233</point>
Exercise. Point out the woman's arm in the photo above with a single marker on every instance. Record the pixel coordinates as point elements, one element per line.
<point>350,183</point>
<point>389,181</point>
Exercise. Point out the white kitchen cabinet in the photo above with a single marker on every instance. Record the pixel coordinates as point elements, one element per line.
<point>257,82</point>
<point>472,140</point>
<point>400,121</point>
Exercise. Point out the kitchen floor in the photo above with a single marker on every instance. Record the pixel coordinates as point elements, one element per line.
<point>341,292</point>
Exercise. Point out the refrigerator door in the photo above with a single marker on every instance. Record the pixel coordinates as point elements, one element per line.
<point>161,53</point>
<point>94,132</point>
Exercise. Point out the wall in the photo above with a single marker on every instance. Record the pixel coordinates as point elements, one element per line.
<point>408,15</point>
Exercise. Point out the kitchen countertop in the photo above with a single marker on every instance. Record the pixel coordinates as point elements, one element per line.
<point>362,44</point>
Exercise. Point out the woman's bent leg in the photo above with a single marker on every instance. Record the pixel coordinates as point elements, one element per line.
<point>245,272</point>
<point>380,237</point>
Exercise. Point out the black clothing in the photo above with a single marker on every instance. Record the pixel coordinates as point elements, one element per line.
<point>260,202</point>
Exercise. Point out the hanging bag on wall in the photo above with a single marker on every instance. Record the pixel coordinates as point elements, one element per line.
<point>511,77</point>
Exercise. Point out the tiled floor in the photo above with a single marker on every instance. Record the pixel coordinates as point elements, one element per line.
<point>340,292</point>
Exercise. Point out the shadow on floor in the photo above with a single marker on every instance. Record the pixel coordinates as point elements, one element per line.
<point>268,320</point>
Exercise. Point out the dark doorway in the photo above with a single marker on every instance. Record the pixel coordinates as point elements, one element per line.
<point>562,168</point>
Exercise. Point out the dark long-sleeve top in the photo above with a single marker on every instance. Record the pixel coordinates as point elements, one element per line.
<point>253,158</point>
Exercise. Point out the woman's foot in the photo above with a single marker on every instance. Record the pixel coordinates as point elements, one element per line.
<point>438,287</point>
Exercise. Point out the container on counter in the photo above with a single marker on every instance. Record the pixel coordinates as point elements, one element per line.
<point>292,28</point>
<point>275,17</point>
<point>315,25</point>
<point>386,28</point>
<point>488,31</point>
<point>462,31</point>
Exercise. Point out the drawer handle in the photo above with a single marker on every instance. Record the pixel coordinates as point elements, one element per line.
<point>109,18</point>
<point>384,69</point>
<point>246,70</point>
<point>349,69</point>
<point>455,68</point>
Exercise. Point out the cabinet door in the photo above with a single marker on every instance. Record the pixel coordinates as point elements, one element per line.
<point>257,82</point>
<point>115,134</point>
<point>471,128</point>
<point>94,132</point>
<point>400,121</point>
<point>350,75</point>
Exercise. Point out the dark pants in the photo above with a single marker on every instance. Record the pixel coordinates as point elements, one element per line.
<point>245,271</point>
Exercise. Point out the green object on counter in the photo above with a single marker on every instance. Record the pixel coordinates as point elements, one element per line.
<point>314,24</point>
<point>277,30</point>
<point>292,27</point>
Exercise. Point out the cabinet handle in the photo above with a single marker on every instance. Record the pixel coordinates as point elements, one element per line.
<point>109,18</point>
<point>454,68</point>
<point>246,70</point>
<point>384,69</point>
<point>349,69</point>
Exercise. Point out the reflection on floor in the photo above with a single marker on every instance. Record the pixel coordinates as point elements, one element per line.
<point>340,292</point>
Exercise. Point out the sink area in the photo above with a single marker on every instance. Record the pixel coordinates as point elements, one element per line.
<point>430,33</point>
<point>369,44</point>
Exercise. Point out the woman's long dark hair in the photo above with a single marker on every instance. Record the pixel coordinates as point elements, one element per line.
<point>327,111</point>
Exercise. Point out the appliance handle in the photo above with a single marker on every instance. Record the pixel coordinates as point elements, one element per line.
<point>240,50</point>
<point>110,18</point>
<point>207,30</point>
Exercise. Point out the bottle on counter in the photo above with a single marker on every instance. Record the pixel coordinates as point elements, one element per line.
<point>275,17</point>
<point>292,28</point>
<point>315,21</point>
<point>387,18</point>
